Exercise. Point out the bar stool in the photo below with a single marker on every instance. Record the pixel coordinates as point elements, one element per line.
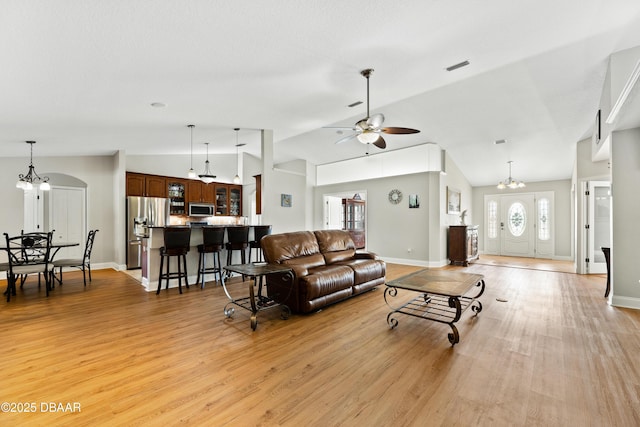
<point>212,243</point>
<point>176,244</point>
<point>259,231</point>
<point>237,240</point>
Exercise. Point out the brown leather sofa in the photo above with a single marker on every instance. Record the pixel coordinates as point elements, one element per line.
<point>326,268</point>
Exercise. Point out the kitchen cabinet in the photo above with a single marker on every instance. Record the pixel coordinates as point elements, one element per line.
<point>222,199</point>
<point>199,192</point>
<point>177,191</point>
<point>463,244</point>
<point>228,199</point>
<point>139,184</point>
<point>353,220</point>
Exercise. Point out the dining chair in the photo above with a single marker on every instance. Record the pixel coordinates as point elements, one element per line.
<point>83,263</point>
<point>28,254</point>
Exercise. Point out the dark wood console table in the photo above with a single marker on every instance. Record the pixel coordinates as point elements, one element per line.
<point>441,297</point>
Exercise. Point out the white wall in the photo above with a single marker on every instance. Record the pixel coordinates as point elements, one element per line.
<point>97,172</point>
<point>625,159</point>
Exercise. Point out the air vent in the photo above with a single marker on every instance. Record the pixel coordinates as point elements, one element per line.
<point>459,65</point>
<point>355,104</point>
<point>500,141</point>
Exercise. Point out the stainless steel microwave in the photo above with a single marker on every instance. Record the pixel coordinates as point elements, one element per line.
<point>201,209</point>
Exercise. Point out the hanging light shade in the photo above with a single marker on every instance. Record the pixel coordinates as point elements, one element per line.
<point>191,173</point>
<point>510,182</point>
<point>236,179</point>
<point>27,182</point>
<point>206,176</point>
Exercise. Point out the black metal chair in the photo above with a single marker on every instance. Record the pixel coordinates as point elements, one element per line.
<point>259,231</point>
<point>176,244</point>
<point>84,263</point>
<point>28,254</point>
<point>212,243</point>
<point>607,259</point>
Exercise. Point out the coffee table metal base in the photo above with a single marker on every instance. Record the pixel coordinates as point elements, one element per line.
<point>433,303</point>
<point>255,303</point>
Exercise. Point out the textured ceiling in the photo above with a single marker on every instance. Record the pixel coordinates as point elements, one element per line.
<point>79,76</point>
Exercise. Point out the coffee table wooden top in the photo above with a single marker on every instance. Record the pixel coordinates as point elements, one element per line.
<point>441,282</point>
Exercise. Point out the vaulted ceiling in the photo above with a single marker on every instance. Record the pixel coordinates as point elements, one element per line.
<point>79,77</point>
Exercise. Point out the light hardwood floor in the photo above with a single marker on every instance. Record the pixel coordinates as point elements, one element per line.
<point>553,354</point>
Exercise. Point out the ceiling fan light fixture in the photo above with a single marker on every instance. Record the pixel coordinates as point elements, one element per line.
<point>368,136</point>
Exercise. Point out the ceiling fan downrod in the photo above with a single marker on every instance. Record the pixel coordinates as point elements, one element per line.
<point>367,73</point>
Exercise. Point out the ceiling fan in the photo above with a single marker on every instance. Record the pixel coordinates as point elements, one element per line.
<point>369,129</point>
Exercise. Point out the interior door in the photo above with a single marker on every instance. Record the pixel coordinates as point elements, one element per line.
<point>517,225</point>
<point>598,228</point>
<point>67,218</point>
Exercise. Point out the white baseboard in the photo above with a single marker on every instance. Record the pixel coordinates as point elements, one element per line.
<point>625,302</point>
<point>415,262</point>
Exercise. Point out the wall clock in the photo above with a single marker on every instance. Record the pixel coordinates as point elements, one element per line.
<point>395,196</point>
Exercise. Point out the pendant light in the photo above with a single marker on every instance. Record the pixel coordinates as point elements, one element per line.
<point>510,182</point>
<point>206,176</point>
<point>26,182</point>
<point>191,173</point>
<point>236,179</point>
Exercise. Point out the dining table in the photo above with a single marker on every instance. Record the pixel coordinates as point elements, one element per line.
<point>55,248</point>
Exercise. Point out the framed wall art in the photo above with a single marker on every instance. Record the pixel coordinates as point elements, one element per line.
<point>453,201</point>
<point>285,200</point>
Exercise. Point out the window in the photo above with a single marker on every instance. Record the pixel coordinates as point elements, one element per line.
<point>517,219</point>
<point>544,226</point>
<point>492,215</point>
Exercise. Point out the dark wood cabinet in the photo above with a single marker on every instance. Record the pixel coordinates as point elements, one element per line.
<point>199,192</point>
<point>463,244</point>
<point>258,194</point>
<point>139,184</point>
<point>353,220</point>
<point>135,184</point>
<point>181,191</point>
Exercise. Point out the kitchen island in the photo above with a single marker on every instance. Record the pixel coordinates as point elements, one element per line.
<point>151,257</point>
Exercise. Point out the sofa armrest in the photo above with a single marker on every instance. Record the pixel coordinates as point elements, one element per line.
<point>366,255</point>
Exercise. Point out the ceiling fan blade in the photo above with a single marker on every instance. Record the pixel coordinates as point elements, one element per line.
<point>394,130</point>
<point>376,120</point>
<point>346,138</point>
<point>380,143</point>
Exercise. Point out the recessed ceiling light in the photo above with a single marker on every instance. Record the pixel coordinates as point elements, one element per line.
<point>458,65</point>
<point>158,104</point>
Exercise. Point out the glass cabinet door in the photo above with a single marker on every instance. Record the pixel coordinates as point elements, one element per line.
<point>235,200</point>
<point>222,207</point>
<point>176,198</point>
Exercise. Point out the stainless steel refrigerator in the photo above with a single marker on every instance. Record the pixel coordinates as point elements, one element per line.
<point>142,213</point>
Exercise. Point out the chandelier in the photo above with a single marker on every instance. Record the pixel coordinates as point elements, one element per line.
<point>26,182</point>
<point>206,176</point>
<point>510,182</point>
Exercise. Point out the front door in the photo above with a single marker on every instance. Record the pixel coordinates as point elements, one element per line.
<point>517,225</point>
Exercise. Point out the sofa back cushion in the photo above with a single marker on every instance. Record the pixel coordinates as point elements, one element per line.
<point>279,248</point>
<point>335,245</point>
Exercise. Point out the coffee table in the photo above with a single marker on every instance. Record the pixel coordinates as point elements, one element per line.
<point>255,303</point>
<point>442,297</point>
